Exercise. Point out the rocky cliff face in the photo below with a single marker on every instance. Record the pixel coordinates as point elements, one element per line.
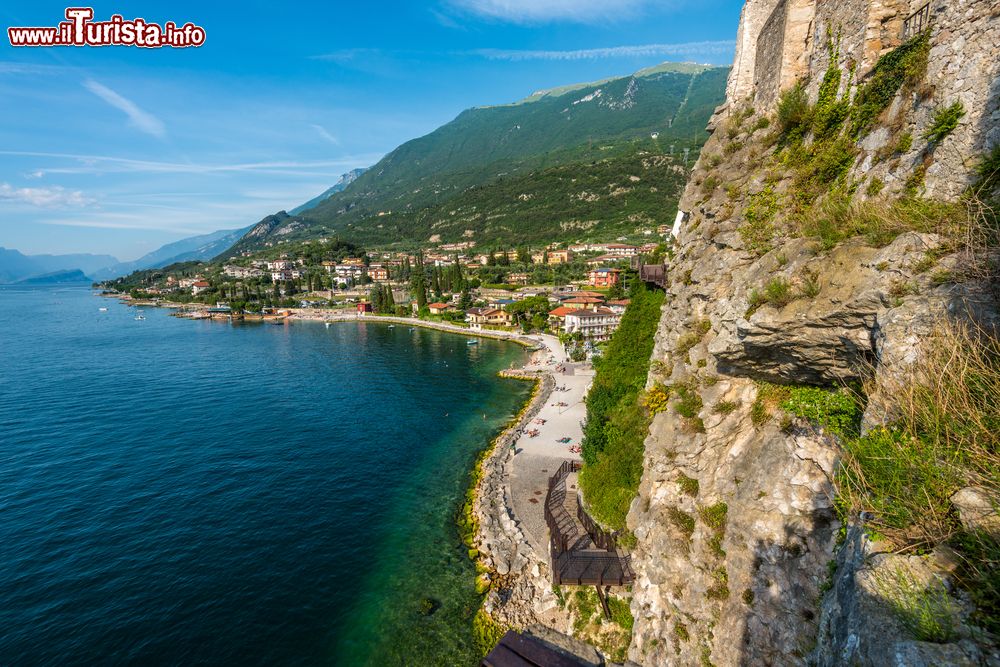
<point>741,557</point>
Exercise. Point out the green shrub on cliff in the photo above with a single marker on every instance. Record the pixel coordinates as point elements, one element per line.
<point>617,423</point>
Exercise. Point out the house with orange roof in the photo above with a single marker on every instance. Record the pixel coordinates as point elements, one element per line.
<point>437,307</point>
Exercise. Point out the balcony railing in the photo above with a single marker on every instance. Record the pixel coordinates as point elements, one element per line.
<point>917,22</point>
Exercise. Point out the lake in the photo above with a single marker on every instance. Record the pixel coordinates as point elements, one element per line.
<point>198,492</point>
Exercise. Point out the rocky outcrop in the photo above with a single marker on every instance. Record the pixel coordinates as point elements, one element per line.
<point>737,559</point>
<point>856,627</point>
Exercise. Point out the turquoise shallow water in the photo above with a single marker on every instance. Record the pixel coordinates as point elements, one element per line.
<point>179,492</point>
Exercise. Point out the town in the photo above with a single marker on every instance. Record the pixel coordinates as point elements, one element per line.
<point>577,291</point>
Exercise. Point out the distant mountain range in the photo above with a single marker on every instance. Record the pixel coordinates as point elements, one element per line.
<point>57,278</point>
<point>16,267</point>
<point>202,248</point>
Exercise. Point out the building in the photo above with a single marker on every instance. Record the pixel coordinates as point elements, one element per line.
<point>618,306</point>
<point>199,287</point>
<point>287,274</point>
<point>558,316</point>
<point>583,302</point>
<point>518,278</point>
<point>622,250</point>
<point>477,317</point>
<point>501,303</point>
<point>595,325</point>
<point>364,307</point>
<point>663,230</point>
<point>241,271</point>
<point>560,256</point>
<point>437,307</point>
<point>538,257</point>
<point>604,277</point>
<point>601,260</point>
<point>279,265</point>
<point>378,273</point>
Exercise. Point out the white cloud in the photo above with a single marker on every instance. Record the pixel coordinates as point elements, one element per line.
<point>100,164</point>
<point>321,131</point>
<point>540,11</point>
<point>141,120</point>
<point>54,197</point>
<point>688,49</point>
<point>347,55</point>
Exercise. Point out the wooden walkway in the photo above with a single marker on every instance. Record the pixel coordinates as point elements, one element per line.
<point>580,551</point>
<point>654,274</point>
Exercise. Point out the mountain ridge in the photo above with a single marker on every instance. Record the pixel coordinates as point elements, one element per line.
<point>658,110</point>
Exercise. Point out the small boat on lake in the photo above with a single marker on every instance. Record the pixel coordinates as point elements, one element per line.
<point>472,341</point>
<point>139,317</point>
<point>103,310</point>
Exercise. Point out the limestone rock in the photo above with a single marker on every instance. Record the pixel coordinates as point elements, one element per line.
<point>976,511</point>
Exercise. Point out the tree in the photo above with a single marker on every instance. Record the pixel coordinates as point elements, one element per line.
<point>523,256</point>
<point>465,301</point>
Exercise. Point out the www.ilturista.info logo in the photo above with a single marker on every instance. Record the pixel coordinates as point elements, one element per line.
<point>80,30</point>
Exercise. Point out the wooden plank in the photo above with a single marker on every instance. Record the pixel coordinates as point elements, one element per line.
<point>516,650</point>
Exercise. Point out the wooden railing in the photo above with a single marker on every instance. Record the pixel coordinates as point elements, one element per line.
<point>600,564</point>
<point>556,516</point>
<point>601,537</point>
<point>917,22</point>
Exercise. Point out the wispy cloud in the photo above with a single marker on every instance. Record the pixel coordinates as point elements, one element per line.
<point>141,120</point>
<point>688,49</point>
<point>126,221</point>
<point>53,197</point>
<point>347,55</point>
<point>97,164</point>
<point>541,11</point>
<point>321,131</point>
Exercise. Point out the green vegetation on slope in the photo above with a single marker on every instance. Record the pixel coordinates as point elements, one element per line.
<point>617,423</point>
<point>598,199</point>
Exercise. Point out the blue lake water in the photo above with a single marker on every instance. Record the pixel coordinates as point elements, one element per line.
<point>193,492</point>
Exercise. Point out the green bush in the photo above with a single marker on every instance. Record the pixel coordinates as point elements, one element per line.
<point>617,423</point>
<point>838,410</point>
<point>688,485</point>
<point>794,112</point>
<point>757,230</point>
<point>944,123</point>
<point>682,521</point>
<point>903,66</point>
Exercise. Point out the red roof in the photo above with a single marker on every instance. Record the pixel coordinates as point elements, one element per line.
<point>200,283</point>
<point>584,299</point>
<point>437,305</point>
<point>561,311</point>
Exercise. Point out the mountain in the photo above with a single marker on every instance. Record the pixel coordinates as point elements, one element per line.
<point>659,111</point>
<point>57,278</point>
<point>339,186</point>
<point>203,247</point>
<point>16,266</point>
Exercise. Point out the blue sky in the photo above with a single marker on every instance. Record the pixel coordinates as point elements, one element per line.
<point>119,149</point>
